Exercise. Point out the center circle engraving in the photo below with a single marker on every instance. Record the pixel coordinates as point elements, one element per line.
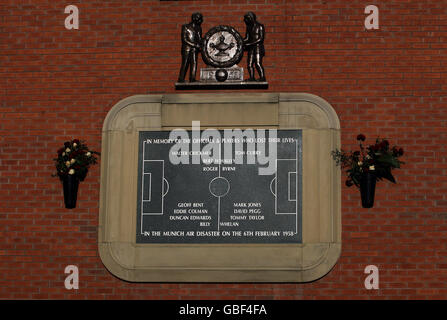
<point>219,187</point>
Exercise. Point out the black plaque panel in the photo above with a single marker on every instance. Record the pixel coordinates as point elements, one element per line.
<point>224,201</point>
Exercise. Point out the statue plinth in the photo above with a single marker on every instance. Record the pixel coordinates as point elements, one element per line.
<point>203,85</point>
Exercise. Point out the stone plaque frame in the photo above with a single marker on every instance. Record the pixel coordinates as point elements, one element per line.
<point>321,203</point>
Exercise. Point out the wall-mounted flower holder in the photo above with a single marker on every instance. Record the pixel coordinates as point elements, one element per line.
<point>70,184</point>
<point>368,165</point>
<point>72,164</point>
<point>368,189</point>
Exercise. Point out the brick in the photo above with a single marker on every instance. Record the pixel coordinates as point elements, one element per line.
<point>58,84</point>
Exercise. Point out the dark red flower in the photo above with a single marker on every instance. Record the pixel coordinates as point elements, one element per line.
<point>383,145</point>
<point>67,144</point>
<point>349,183</point>
<point>401,151</point>
<point>375,147</point>
<point>76,141</point>
<point>357,153</point>
<point>361,137</point>
<point>60,151</point>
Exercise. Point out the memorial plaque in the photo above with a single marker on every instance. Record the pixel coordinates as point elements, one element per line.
<point>220,205</point>
<point>201,189</point>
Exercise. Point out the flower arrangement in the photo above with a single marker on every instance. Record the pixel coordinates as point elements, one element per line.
<point>74,158</point>
<point>378,158</point>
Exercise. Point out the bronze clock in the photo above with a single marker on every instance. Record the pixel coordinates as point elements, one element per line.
<point>222,47</point>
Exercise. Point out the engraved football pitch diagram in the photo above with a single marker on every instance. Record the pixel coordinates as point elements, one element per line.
<point>221,202</point>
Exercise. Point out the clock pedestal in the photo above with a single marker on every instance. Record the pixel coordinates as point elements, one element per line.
<point>209,74</point>
<point>221,78</point>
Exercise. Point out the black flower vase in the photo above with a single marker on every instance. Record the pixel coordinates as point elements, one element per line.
<point>368,189</point>
<point>70,184</point>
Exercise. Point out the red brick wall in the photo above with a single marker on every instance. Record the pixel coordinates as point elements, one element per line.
<point>58,84</point>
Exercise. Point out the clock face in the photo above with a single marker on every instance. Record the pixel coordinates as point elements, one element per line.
<point>222,47</point>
